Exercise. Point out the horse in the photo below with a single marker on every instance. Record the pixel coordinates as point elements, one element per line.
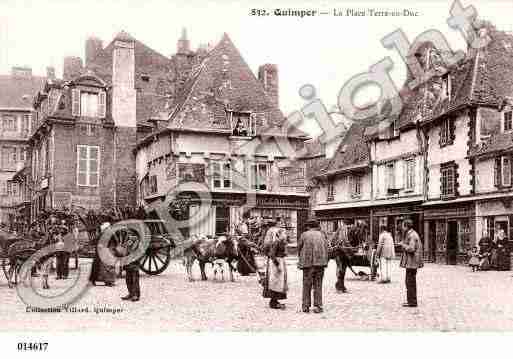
<point>213,251</point>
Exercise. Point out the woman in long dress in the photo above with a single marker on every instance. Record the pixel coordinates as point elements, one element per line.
<point>101,272</point>
<point>275,284</point>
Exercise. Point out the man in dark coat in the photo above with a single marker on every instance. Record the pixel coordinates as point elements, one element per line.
<point>131,269</point>
<point>411,260</point>
<point>341,253</point>
<point>313,248</point>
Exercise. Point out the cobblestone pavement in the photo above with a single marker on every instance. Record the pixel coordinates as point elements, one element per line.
<point>451,298</point>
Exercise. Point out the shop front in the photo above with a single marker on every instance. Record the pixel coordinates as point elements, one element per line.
<point>331,220</point>
<point>392,217</point>
<point>494,216</point>
<point>225,211</point>
<point>450,232</point>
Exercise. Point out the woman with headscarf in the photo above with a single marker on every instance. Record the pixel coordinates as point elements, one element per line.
<point>101,272</point>
<point>274,248</point>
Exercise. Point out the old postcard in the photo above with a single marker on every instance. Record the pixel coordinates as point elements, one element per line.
<point>211,166</point>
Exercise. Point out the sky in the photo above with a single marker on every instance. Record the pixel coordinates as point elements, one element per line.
<point>323,51</point>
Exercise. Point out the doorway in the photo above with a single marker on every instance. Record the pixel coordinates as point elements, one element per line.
<point>452,242</point>
<point>432,240</point>
<point>222,220</point>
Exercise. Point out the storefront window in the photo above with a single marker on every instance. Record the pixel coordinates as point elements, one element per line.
<point>464,236</point>
<point>441,235</point>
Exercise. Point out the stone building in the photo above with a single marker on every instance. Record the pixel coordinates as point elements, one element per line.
<point>16,93</point>
<point>223,133</point>
<point>86,125</point>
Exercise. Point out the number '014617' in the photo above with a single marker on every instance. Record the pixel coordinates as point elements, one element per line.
<point>32,346</point>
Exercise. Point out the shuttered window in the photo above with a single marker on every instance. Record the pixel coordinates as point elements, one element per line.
<point>506,171</point>
<point>75,102</point>
<point>390,175</point>
<point>410,174</point>
<point>102,104</point>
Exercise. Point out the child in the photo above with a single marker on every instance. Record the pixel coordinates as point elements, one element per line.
<point>474,259</point>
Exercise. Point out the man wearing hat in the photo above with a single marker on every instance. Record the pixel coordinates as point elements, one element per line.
<point>313,250</point>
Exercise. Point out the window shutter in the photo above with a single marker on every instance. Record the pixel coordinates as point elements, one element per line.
<point>101,104</point>
<point>506,171</point>
<point>400,173</point>
<point>452,130</point>
<point>497,172</point>
<point>75,102</point>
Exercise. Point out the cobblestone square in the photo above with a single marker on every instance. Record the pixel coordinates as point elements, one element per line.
<point>451,298</point>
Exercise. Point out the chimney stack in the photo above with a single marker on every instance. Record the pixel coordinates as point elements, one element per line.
<point>72,68</point>
<point>268,76</point>
<point>183,46</point>
<point>50,73</point>
<point>93,47</point>
<point>123,81</point>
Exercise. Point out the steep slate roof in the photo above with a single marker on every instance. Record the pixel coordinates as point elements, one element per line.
<point>150,103</point>
<point>494,84</point>
<point>352,153</point>
<point>17,92</point>
<point>484,78</point>
<point>223,81</point>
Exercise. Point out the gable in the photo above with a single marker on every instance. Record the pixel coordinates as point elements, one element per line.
<point>222,82</point>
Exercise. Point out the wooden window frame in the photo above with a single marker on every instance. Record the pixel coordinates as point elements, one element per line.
<point>88,164</point>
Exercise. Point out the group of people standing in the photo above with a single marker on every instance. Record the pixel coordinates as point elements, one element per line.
<point>491,254</point>
<point>315,250</point>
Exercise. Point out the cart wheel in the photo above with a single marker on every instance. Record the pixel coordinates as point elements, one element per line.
<point>155,260</point>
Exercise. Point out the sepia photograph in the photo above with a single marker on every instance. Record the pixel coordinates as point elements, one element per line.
<point>190,168</point>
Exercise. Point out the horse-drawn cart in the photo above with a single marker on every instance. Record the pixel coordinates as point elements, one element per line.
<point>157,255</point>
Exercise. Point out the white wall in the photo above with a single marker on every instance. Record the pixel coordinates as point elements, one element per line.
<point>456,152</point>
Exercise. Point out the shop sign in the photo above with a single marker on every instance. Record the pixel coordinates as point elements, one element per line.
<point>44,183</point>
<point>281,202</point>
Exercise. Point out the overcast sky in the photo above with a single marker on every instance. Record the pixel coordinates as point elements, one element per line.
<point>324,51</point>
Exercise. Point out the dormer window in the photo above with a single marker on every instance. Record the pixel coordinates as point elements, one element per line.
<point>243,124</point>
<point>88,104</point>
<point>507,121</point>
<point>446,86</point>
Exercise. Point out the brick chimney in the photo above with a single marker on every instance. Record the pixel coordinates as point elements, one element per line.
<point>72,67</point>
<point>93,47</point>
<point>123,81</point>
<point>125,121</point>
<point>268,76</point>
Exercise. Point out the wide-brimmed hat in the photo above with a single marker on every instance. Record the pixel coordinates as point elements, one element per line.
<point>312,222</point>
